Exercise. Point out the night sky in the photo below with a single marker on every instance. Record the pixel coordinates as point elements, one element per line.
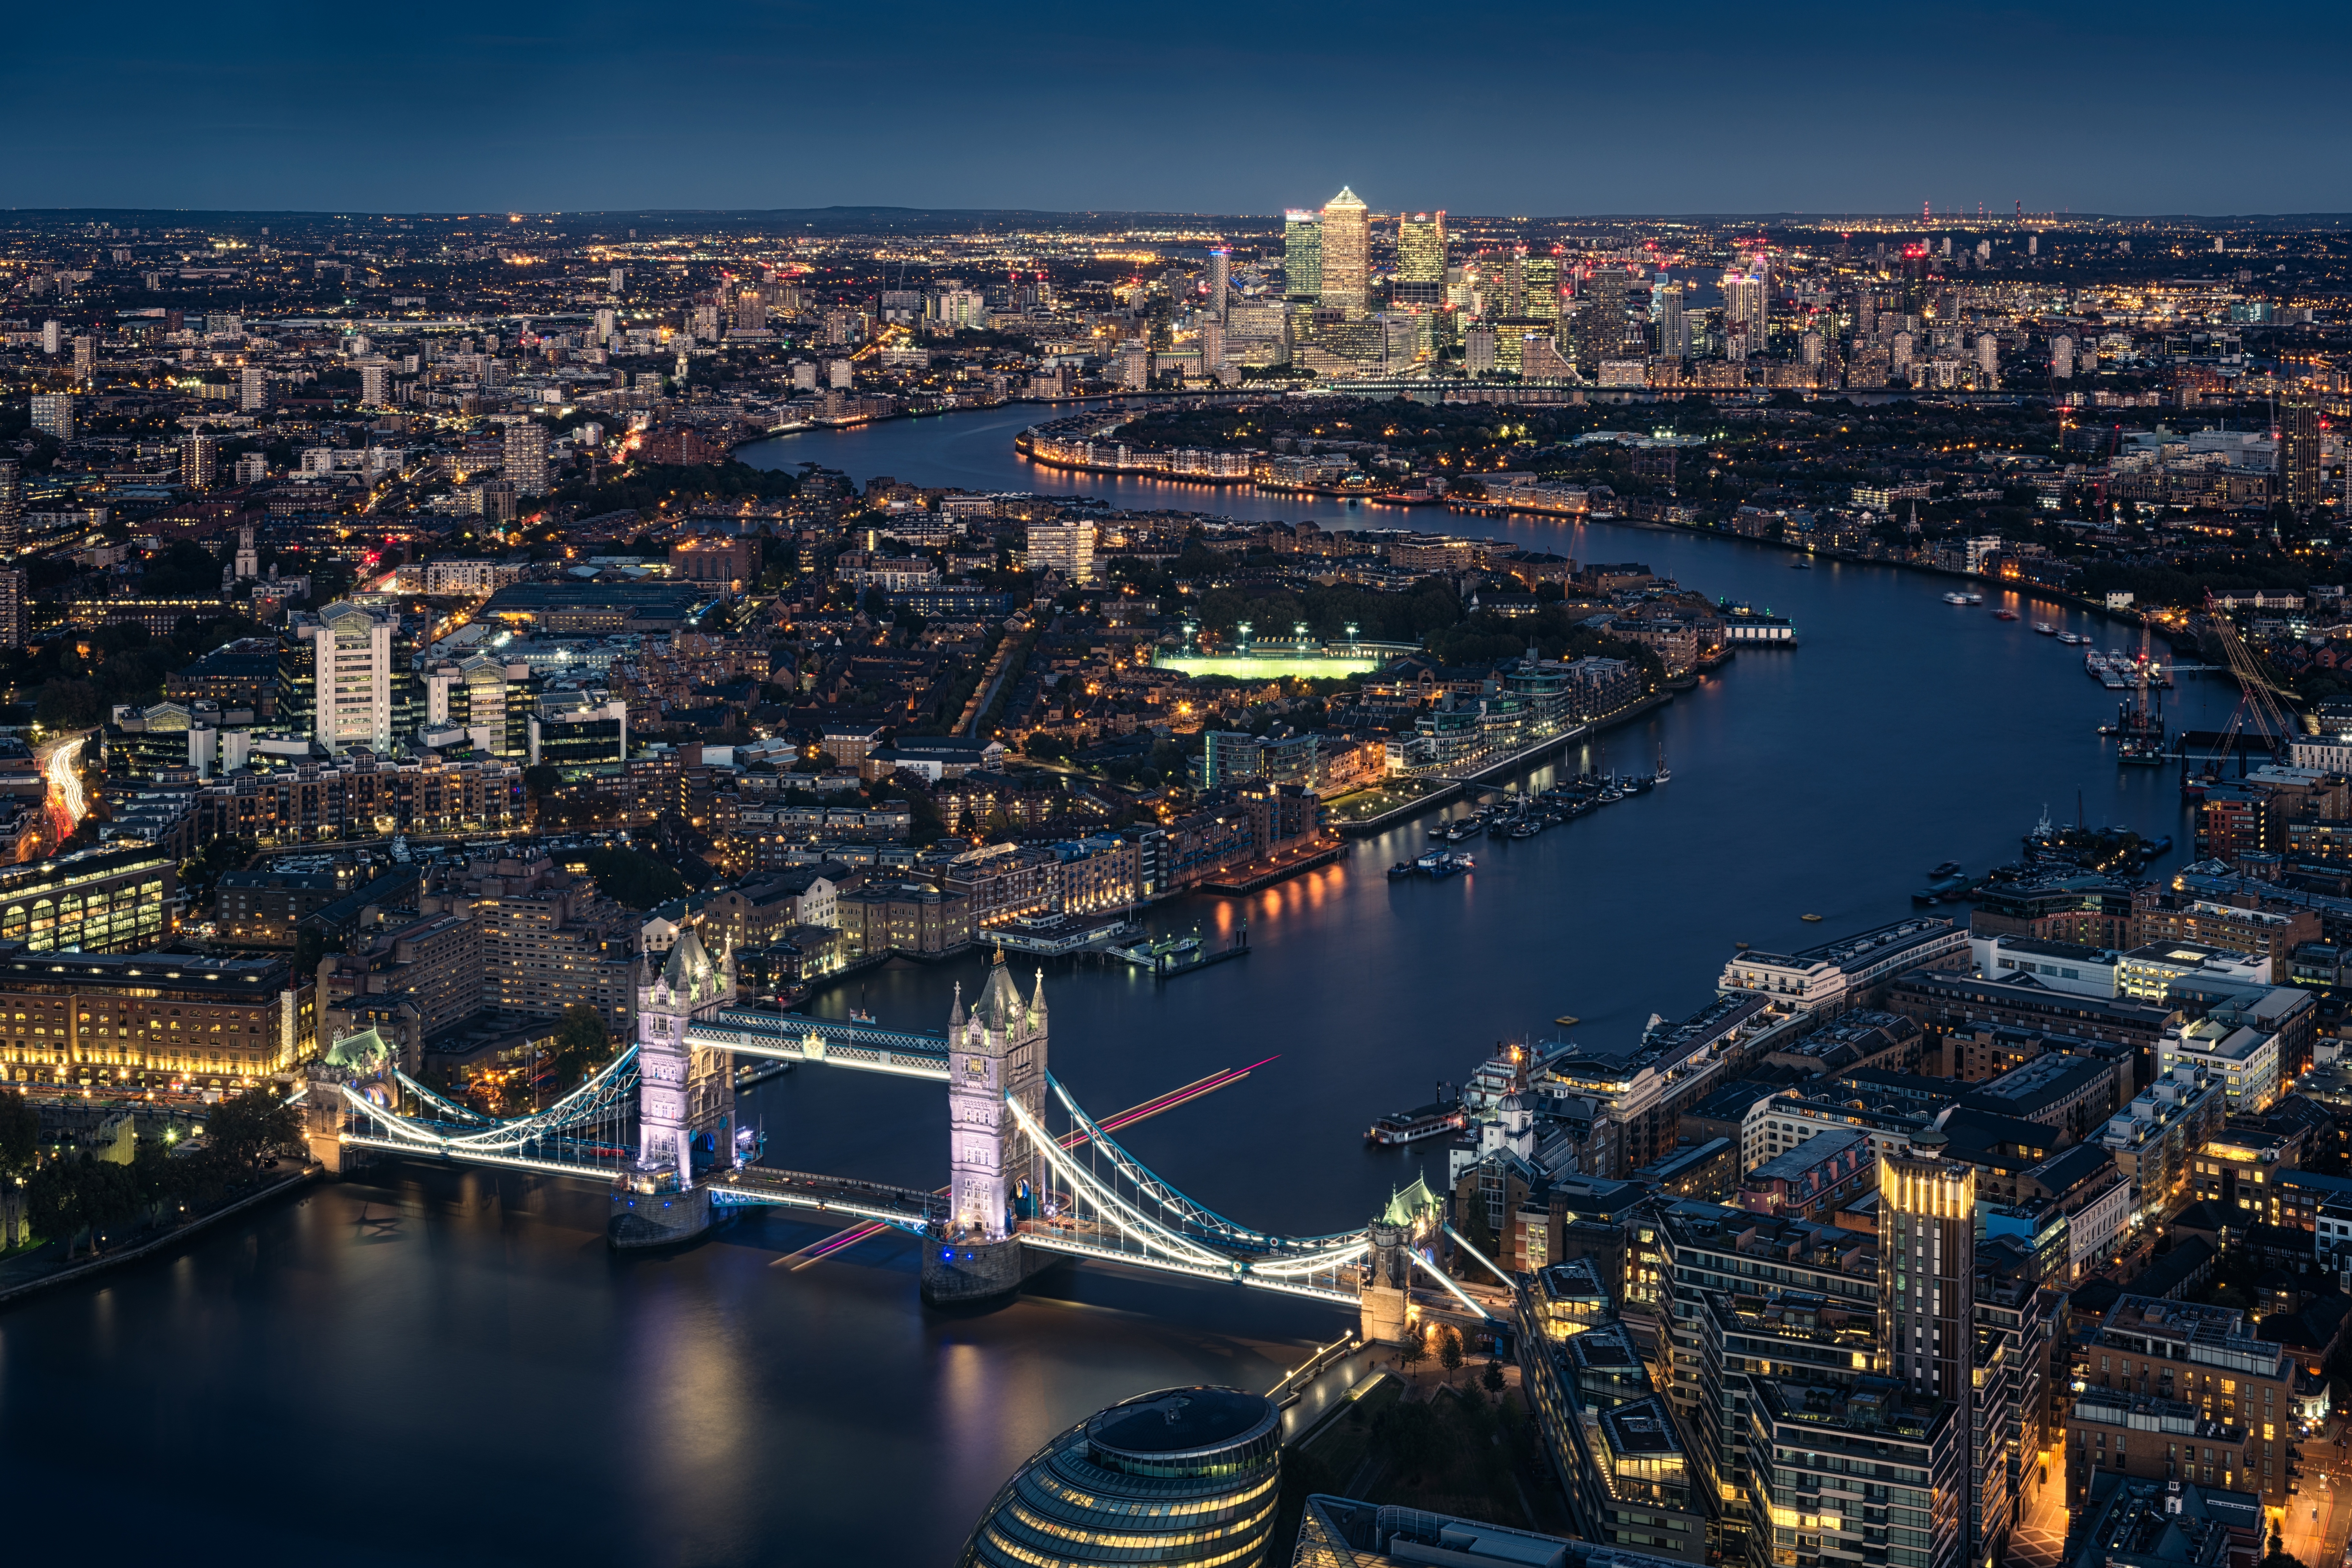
<point>1501,108</point>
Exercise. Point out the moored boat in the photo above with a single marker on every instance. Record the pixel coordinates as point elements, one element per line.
<point>1432,1121</point>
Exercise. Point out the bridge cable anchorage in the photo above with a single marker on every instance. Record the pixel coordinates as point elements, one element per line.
<point>1435,1272</point>
<point>1464,1243</point>
<point>1193,1213</point>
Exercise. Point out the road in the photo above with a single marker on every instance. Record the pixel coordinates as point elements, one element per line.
<point>2319,1542</point>
<point>2040,1538</point>
<point>67,804</point>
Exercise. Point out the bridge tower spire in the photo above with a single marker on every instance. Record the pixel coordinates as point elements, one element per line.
<point>686,1095</point>
<point>996,1052</point>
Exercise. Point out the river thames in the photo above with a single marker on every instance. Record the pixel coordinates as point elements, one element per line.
<point>430,1365</point>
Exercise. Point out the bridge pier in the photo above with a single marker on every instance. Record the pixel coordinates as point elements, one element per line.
<point>650,1209</point>
<point>966,1273</point>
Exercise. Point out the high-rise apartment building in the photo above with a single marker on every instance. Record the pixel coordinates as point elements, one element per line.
<point>1600,319</point>
<point>1926,1267</point>
<point>1065,545</point>
<point>252,467</point>
<point>375,385</point>
<point>199,457</point>
<point>1221,279</point>
<point>1673,330</point>
<point>12,509</point>
<point>1421,248</point>
<point>85,360</point>
<point>1744,323</point>
<point>15,607</point>
<point>53,337</point>
<point>1346,248</point>
<point>2062,357</point>
<point>253,389</point>
<point>526,457</point>
<point>53,414</point>
<point>351,664</point>
<point>1302,255</point>
<point>2298,448</point>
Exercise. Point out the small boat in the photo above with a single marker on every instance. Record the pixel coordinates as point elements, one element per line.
<point>1800,566</point>
<point>2045,628</point>
<point>1974,598</point>
<point>1814,918</point>
<point>1525,829</point>
<point>2004,615</point>
<point>1948,868</point>
<point>1401,870</point>
<point>1956,598</point>
<point>1568,1020</point>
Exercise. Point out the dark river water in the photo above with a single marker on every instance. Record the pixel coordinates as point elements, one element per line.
<point>450,1367</point>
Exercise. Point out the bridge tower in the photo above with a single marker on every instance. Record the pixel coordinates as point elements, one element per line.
<point>686,1095</point>
<point>996,1052</point>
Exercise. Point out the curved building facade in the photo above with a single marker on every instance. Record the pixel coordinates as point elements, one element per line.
<point>1183,1476</point>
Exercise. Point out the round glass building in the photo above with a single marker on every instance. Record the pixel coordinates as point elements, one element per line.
<point>1183,1476</point>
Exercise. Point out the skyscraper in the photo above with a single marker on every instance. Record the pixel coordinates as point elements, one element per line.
<point>85,348</point>
<point>1421,248</point>
<point>1302,255</point>
<point>1347,276</point>
<point>2062,357</point>
<point>1220,277</point>
<point>253,389</point>
<point>2299,448</point>
<point>1602,318</point>
<point>1667,309</point>
<point>1743,314</point>
<point>1540,275</point>
<point>526,460</point>
<point>1927,1268</point>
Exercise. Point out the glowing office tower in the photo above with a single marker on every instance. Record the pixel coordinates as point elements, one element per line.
<point>1302,255</point>
<point>1666,310</point>
<point>1743,314</point>
<point>2299,466</point>
<point>1347,277</point>
<point>1220,277</point>
<point>1421,248</point>
<point>1539,277</point>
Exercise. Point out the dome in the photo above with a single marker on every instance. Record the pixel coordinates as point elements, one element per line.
<point>1182,1475</point>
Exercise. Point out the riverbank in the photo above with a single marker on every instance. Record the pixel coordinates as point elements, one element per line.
<point>37,1276</point>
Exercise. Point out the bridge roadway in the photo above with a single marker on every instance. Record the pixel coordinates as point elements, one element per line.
<point>902,1208</point>
<point>792,1037</point>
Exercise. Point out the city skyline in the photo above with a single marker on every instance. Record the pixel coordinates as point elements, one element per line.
<point>1841,110</point>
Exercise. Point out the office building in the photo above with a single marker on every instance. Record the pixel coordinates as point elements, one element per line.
<point>1601,324</point>
<point>199,457</point>
<point>1221,273</point>
<point>1347,272</point>
<point>1539,280</point>
<point>1848,972</point>
<point>131,1019</point>
<point>114,900</point>
<point>1179,1474</point>
<point>526,457</point>
<point>479,701</point>
<point>1065,545</point>
<point>1302,255</point>
<point>351,666</point>
<point>1421,248</point>
<point>2299,456</point>
<point>53,414</point>
<point>582,733</point>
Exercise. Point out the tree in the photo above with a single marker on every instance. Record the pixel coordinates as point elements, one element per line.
<point>542,778</point>
<point>581,1041</point>
<point>20,1134</point>
<point>1449,1350</point>
<point>67,705</point>
<point>1492,1378</point>
<point>1409,1433</point>
<point>1413,1349</point>
<point>245,1127</point>
<point>634,879</point>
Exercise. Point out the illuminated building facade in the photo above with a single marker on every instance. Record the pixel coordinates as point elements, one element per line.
<point>136,1019</point>
<point>1183,1475</point>
<point>1347,276</point>
<point>1421,248</point>
<point>1302,255</point>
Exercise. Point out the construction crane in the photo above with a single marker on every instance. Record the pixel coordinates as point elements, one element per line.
<point>2258,695</point>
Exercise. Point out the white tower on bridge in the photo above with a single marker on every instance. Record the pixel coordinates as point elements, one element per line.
<point>683,1090</point>
<point>998,1049</point>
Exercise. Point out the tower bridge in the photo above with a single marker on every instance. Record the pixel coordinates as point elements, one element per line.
<point>1032,1177</point>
